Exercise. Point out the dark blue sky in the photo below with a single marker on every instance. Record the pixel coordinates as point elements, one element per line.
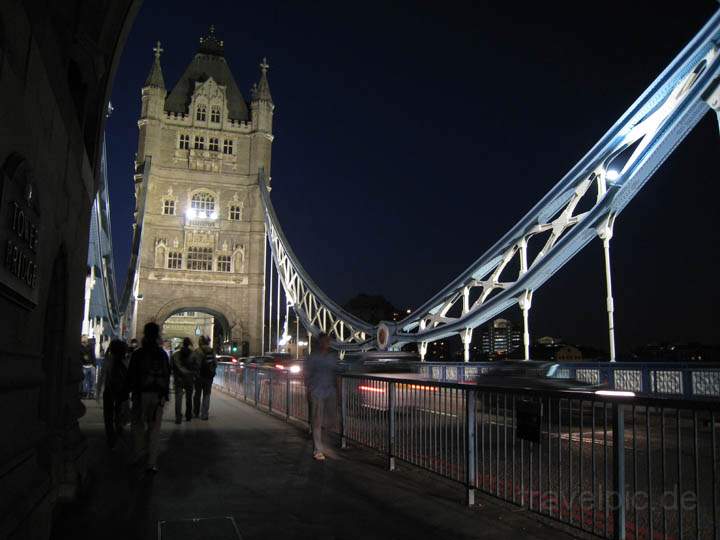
<point>411,135</point>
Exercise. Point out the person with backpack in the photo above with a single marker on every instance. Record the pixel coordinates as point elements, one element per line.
<point>113,380</point>
<point>185,371</point>
<point>149,382</point>
<point>205,359</point>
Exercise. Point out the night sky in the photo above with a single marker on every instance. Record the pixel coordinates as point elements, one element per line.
<point>410,136</point>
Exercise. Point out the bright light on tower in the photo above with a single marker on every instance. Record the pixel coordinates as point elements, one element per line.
<point>191,213</point>
<point>612,175</point>
<point>214,215</point>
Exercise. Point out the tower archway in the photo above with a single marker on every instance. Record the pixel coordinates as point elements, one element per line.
<point>192,317</point>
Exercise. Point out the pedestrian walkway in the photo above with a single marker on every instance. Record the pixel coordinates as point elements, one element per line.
<point>258,470</point>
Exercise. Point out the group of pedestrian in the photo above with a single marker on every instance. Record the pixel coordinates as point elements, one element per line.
<point>135,385</point>
<point>193,373</point>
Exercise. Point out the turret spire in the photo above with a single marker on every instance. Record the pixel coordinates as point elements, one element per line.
<point>155,77</point>
<point>262,91</point>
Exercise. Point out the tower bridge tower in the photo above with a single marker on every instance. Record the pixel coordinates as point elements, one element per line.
<point>199,241</point>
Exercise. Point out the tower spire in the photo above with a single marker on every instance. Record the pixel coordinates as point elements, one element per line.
<point>261,92</point>
<point>155,77</point>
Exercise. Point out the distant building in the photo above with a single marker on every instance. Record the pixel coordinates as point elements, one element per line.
<point>676,352</point>
<point>500,338</point>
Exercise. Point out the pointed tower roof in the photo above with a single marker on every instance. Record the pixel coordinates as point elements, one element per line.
<point>261,92</point>
<point>155,77</point>
<point>209,62</point>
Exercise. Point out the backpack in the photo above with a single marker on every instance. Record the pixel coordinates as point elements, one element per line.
<point>208,365</point>
<point>117,378</point>
<point>156,372</point>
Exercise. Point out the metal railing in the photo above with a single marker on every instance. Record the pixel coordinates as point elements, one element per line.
<point>690,380</point>
<point>557,453</point>
<point>273,390</point>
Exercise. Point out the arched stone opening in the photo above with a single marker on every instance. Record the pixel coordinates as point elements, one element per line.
<point>191,318</point>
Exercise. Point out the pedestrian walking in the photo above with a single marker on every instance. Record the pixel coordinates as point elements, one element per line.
<point>207,362</point>
<point>320,381</point>
<point>113,384</point>
<point>89,363</point>
<point>149,382</point>
<point>185,372</point>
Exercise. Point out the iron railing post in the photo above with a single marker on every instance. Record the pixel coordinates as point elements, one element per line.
<point>287,397</point>
<point>391,426</point>
<point>257,388</point>
<point>270,390</point>
<point>470,444</point>
<point>618,497</point>
<point>687,383</point>
<point>343,412</point>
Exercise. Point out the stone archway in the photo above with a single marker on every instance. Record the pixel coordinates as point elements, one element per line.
<point>224,313</point>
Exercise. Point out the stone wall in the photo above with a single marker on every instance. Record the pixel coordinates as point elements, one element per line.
<point>57,61</point>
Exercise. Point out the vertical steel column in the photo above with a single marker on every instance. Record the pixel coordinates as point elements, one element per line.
<point>470,445</point>
<point>297,336</point>
<point>270,308</point>
<point>343,412</point>
<point>391,426</point>
<point>277,313</point>
<point>270,390</point>
<point>618,497</point>
<point>309,342</point>
<point>264,290</point>
<point>605,232</point>
<point>467,340</point>
<point>467,333</point>
<point>525,302</point>
<point>525,299</point>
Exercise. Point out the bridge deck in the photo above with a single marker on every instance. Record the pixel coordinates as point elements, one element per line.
<point>258,469</point>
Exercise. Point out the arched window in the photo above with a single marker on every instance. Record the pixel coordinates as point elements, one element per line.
<point>199,143</point>
<point>213,144</point>
<point>203,204</point>
<point>201,113</point>
<point>215,115</point>
<point>184,142</point>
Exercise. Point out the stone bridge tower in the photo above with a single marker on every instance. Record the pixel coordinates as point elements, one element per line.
<point>199,232</point>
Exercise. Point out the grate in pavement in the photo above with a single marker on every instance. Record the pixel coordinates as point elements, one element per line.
<point>214,528</point>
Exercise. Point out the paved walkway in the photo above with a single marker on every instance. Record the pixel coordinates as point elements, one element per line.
<point>258,469</point>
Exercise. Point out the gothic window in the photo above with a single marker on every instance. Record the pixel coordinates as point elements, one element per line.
<point>175,260</point>
<point>199,143</point>
<point>213,144</point>
<point>184,143</point>
<point>168,207</point>
<point>199,258</point>
<point>228,146</point>
<point>215,115</point>
<point>223,263</point>
<point>203,203</point>
<point>201,113</point>
<point>235,213</point>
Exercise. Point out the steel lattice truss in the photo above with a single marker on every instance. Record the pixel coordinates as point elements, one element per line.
<point>317,312</point>
<point>581,206</point>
